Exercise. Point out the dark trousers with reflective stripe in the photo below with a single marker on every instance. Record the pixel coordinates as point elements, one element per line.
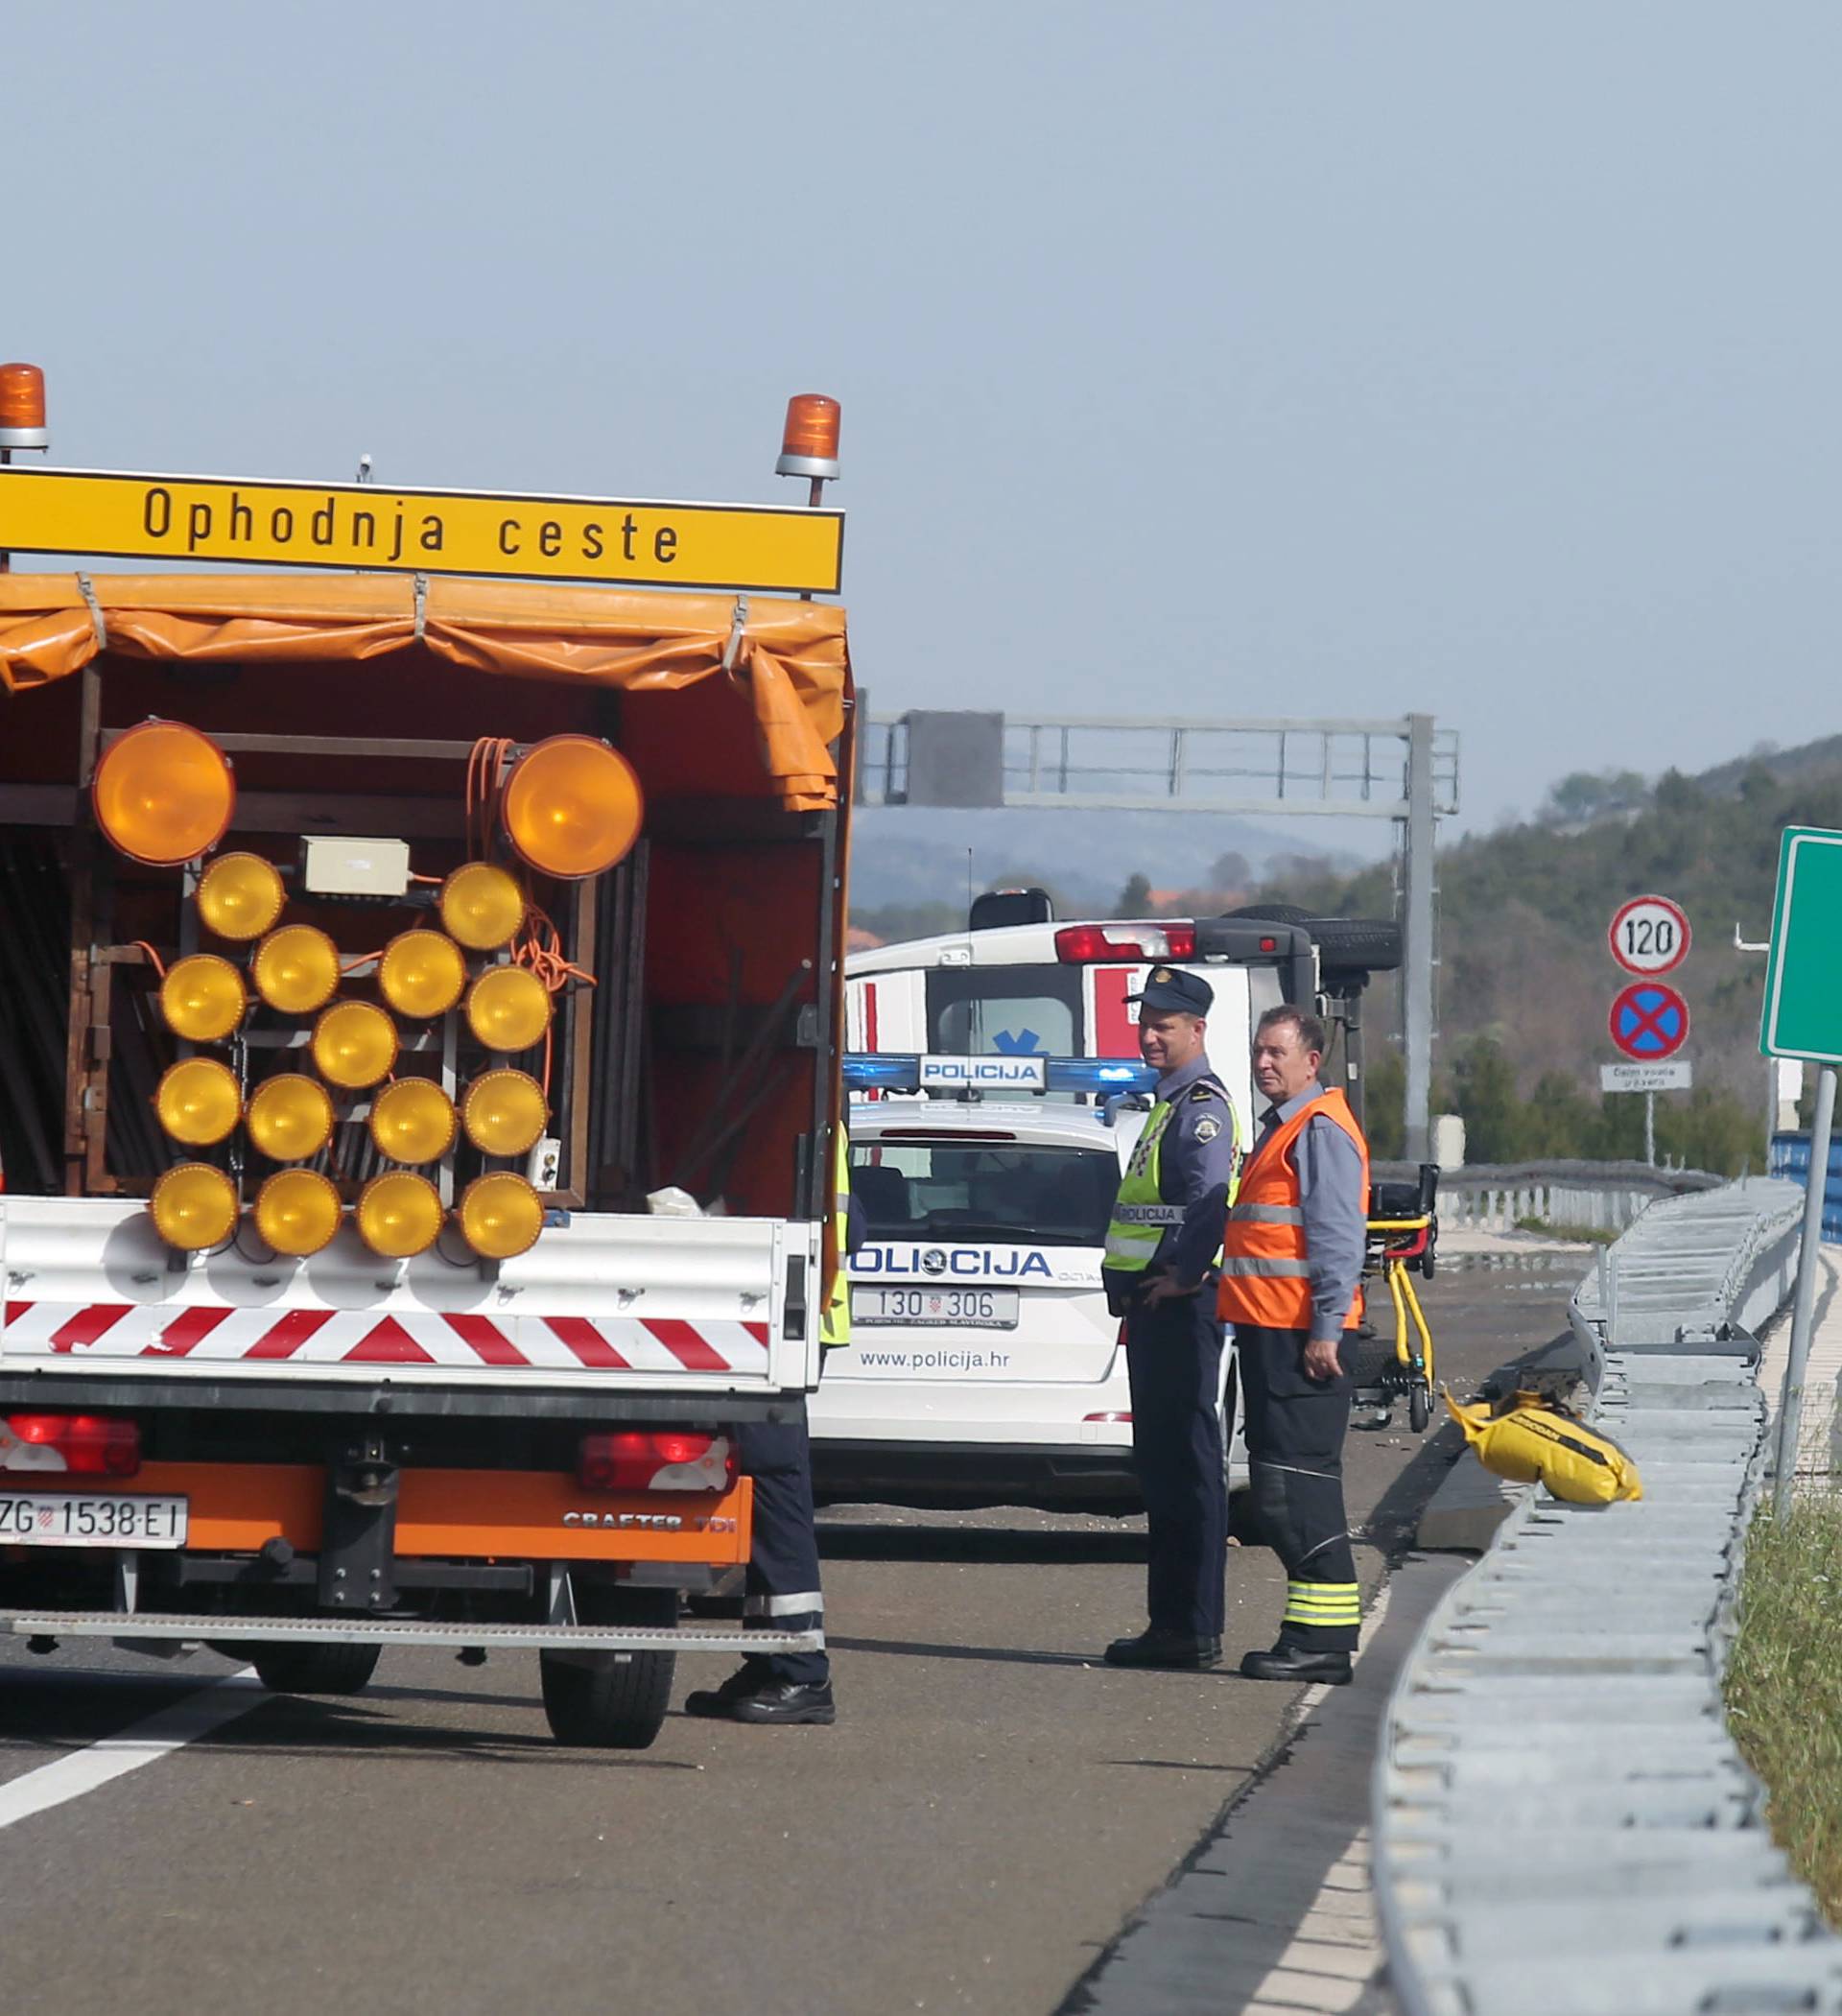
<point>1295,1427</point>
<point>783,1589</point>
<point>1173,1359</point>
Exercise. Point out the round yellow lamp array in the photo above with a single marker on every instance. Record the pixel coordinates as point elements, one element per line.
<point>399,1214</point>
<point>573,806</point>
<point>297,969</point>
<point>199,1101</point>
<point>194,1207</point>
<point>290,1117</point>
<point>501,1216</point>
<point>354,1044</point>
<point>412,1120</point>
<point>202,998</point>
<point>481,907</point>
<point>240,896</point>
<point>163,793</point>
<point>422,973</point>
<point>504,1112</point>
<point>297,1211</point>
<point>508,1007</point>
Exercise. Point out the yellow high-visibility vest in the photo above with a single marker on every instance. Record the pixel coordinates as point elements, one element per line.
<point>834,1323</point>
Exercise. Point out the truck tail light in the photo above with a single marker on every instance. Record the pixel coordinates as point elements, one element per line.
<point>667,1459</point>
<point>81,1445</point>
<point>1085,944</point>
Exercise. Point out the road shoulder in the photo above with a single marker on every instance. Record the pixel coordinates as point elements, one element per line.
<point>1271,1911</point>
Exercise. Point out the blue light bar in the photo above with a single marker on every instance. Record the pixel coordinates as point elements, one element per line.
<point>1110,1075</point>
<point>879,1071</point>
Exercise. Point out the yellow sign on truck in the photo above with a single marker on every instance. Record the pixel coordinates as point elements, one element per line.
<point>121,516</point>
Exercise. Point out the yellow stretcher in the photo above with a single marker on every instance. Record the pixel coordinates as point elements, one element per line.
<point>1403,1234</point>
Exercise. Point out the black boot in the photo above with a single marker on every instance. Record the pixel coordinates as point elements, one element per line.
<point>753,1695</point>
<point>1297,1662</point>
<point>1179,1651</point>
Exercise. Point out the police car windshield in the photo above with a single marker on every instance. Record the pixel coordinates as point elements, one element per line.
<point>1002,1192</point>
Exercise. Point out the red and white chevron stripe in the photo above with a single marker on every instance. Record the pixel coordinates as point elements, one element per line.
<point>362,1337</point>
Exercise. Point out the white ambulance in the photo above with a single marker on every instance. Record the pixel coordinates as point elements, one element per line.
<point>1061,989</point>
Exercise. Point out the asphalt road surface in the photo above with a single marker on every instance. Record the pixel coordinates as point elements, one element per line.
<point>990,1808</point>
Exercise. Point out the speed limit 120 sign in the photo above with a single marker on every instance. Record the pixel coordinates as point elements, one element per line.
<point>1649,934</point>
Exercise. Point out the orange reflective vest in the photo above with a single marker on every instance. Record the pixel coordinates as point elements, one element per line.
<point>1265,1275</point>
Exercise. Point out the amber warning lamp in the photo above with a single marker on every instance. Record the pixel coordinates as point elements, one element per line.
<point>809,440</point>
<point>163,793</point>
<point>22,407</point>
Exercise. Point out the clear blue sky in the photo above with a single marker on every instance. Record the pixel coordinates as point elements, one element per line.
<point>1219,358</point>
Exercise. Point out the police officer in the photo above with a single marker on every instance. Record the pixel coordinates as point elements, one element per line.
<point>1291,1270</point>
<point>1160,1275</point>
<point>782,1592</point>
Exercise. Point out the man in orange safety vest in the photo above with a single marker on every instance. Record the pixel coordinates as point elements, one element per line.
<point>1291,1273</point>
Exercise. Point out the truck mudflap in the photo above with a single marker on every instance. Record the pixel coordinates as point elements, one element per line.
<point>603,1301</point>
<point>135,1627</point>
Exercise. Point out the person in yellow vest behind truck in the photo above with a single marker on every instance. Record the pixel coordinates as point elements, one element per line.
<point>1292,1266</point>
<point>835,1325</point>
<point>1160,1271</point>
<point>783,1592</point>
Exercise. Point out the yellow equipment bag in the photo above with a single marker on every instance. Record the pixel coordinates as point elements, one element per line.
<point>1532,1440</point>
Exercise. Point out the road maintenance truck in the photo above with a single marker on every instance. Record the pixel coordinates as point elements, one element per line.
<point>419,1039</point>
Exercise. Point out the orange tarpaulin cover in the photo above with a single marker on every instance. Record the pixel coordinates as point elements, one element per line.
<point>792,660</point>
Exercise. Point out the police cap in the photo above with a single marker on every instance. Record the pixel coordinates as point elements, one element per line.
<point>1171,987</point>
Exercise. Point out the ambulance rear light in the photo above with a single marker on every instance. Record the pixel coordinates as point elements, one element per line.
<point>657,1459</point>
<point>1086,945</point>
<point>80,1445</point>
<point>1106,1417</point>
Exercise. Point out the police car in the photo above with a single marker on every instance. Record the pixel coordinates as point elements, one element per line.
<point>983,1367</point>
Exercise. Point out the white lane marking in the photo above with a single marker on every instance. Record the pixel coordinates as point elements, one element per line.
<point>141,1742</point>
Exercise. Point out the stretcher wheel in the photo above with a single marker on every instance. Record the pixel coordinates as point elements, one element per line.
<point>1419,1408</point>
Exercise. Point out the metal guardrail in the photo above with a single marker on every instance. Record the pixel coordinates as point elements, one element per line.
<point>1562,1823</point>
<point>1600,1196</point>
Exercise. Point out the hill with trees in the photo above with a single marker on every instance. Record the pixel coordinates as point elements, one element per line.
<point>1525,978</point>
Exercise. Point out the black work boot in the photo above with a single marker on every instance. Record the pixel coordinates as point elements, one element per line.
<point>753,1695</point>
<point>1180,1651</point>
<point>1297,1662</point>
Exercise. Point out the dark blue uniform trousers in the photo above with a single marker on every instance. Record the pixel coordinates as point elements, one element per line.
<point>1295,1430</point>
<point>783,1590</point>
<point>1173,1360</point>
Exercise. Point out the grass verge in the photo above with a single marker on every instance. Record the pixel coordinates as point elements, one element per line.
<point>1784,1683</point>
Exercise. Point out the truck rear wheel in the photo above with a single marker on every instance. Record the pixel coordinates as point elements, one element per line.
<point>314,1669</point>
<point>608,1700</point>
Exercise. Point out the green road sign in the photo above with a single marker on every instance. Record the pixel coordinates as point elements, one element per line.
<point>1803,1014</point>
